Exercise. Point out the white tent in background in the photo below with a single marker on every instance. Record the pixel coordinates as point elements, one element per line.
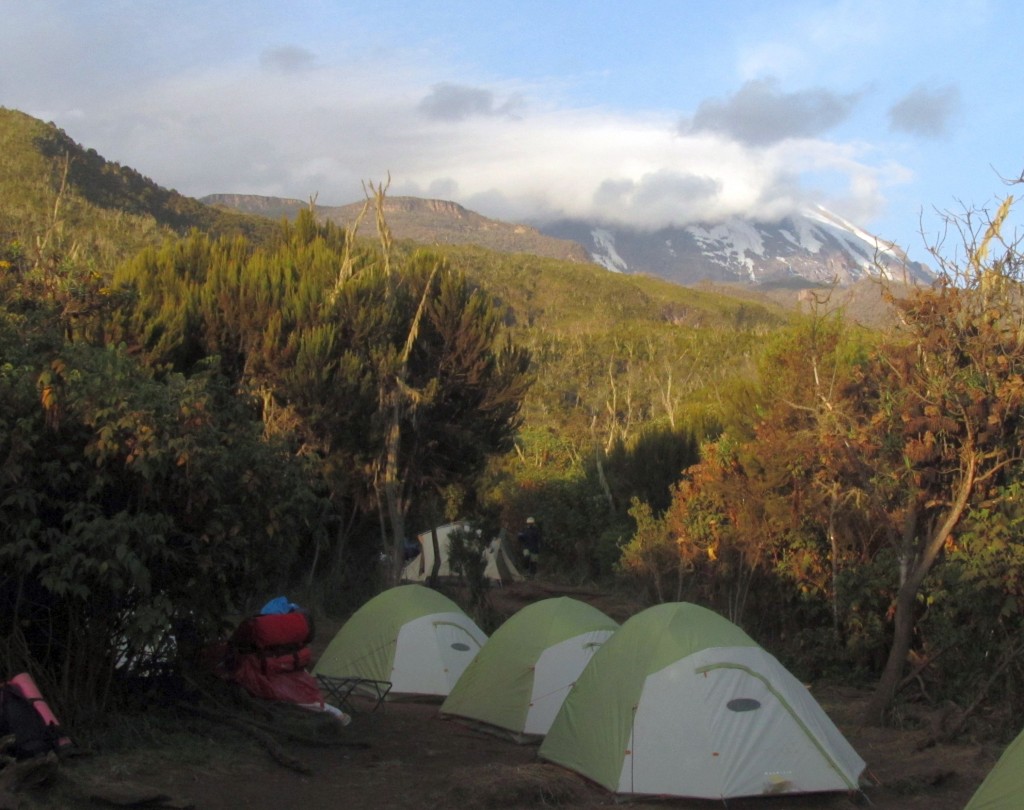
<point>499,565</point>
<point>419,568</point>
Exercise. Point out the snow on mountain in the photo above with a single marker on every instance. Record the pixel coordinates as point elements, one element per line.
<point>606,254</point>
<point>740,242</point>
<point>816,247</point>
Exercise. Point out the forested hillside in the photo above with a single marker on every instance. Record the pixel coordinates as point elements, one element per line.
<point>199,408</point>
<point>79,201</point>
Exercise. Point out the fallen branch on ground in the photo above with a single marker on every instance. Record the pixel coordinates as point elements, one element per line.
<point>277,753</point>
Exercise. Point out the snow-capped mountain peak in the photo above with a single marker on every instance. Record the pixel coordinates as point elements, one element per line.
<point>815,246</point>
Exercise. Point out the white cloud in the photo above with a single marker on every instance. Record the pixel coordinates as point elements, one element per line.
<point>326,130</point>
<point>276,118</point>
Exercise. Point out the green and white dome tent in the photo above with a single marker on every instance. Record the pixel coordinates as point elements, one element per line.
<point>681,702</point>
<point>1003,788</point>
<point>410,635</point>
<point>517,683</point>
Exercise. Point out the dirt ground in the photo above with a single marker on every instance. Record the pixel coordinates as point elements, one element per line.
<point>404,755</point>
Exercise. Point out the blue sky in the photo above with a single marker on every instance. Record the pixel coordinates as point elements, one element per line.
<point>642,112</point>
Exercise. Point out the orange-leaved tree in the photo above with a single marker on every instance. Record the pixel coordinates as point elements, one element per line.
<point>947,412</point>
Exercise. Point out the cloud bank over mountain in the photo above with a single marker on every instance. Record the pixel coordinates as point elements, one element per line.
<point>648,114</point>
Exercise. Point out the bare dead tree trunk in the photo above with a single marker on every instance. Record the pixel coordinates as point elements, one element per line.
<point>665,392</point>
<point>396,395</point>
<point>435,568</point>
<point>391,493</point>
<point>600,466</point>
<point>611,406</point>
<point>834,544</point>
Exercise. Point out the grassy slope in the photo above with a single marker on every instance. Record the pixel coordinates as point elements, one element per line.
<point>105,212</point>
<point>572,298</point>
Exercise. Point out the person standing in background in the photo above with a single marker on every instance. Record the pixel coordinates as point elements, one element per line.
<point>530,540</point>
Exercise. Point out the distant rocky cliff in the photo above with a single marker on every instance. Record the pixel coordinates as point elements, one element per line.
<point>421,220</point>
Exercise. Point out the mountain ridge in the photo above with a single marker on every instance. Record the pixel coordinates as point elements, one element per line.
<point>812,249</point>
<point>420,219</point>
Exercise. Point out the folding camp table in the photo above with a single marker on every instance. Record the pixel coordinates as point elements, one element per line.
<point>341,690</point>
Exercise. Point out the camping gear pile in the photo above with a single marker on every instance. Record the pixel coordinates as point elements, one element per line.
<point>27,724</point>
<point>268,655</point>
